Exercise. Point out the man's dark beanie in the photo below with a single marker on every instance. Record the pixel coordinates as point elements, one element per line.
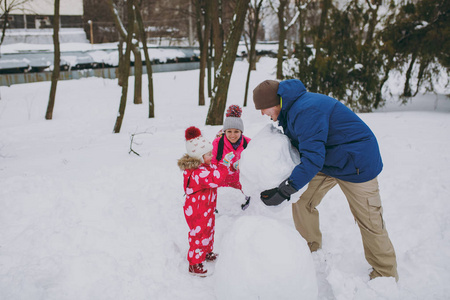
<point>265,94</point>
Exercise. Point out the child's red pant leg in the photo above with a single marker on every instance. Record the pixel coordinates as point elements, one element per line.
<point>200,218</point>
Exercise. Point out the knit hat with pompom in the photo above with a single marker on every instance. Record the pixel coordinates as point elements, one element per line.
<point>196,144</point>
<point>233,118</point>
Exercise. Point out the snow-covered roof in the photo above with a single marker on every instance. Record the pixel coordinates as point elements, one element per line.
<point>46,7</point>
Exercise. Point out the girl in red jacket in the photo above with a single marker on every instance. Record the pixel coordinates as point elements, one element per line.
<point>231,139</point>
<point>201,180</point>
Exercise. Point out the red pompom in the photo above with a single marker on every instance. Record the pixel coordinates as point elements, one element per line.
<point>234,111</point>
<point>192,132</point>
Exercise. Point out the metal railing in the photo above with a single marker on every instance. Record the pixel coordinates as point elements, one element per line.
<point>109,73</point>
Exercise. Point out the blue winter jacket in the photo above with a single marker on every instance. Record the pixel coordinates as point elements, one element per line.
<point>330,137</point>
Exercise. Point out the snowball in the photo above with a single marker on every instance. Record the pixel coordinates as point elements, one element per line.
<point>262,258</point>
<point>268,160</point>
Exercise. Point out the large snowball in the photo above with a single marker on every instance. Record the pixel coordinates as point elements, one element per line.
<point>268,160</point>
<point>262,258</point>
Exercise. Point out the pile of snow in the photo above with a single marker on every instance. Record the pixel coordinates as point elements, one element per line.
<point>268,160</point>
<point>262,258</point>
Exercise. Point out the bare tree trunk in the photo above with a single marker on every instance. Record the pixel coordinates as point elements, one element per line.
<point>137,62</point>
<point>254,20</point>
<point>326,4</point>
<point>301,22</point>
<point>199,30</point>
<point>281,37</point>
<point>136,51</point>
<point>137,73</point>
<point>120,69</point>
<point>117,11</point>
<point>368,48</point>
<point>56,63</point>
<point>191,30</point>
<point>373,21</point>
<point>209,64</point>
<point>5,16</point>
<point>389,66</point>
<point>203,38</point>
<point>247,82</point>
<point>407,88</point>
<point>123,99</point>
<point>218,34</point>
<point>206,60</point>
<point>148,64</point>
<point>225,69</point>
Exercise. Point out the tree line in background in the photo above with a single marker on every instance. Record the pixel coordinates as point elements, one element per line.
<point>345,51</point>
<point>168,20</point>
<point>353,49</point>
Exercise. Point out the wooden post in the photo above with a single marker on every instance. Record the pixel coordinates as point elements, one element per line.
<point>92,31</point>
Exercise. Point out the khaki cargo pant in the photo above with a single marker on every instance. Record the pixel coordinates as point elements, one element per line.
<point>365,205</point>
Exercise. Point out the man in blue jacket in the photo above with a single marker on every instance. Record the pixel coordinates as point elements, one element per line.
<point>336,147</point>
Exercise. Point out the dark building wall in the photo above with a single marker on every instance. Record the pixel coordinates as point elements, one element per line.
<point>42,21</point>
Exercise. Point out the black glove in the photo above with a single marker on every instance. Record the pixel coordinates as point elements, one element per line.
<point>277,195</point>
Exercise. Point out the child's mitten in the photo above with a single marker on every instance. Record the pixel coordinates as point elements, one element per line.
<point>236,165</point>
<point>227,159</point>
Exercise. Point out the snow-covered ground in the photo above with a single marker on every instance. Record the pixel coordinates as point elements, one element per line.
<point>81,218</point>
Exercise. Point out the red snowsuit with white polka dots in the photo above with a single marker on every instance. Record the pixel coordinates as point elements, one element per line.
<point>200,186</point>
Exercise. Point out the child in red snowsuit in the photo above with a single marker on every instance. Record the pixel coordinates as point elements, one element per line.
<point>231,139</point>
<point>201,180</point>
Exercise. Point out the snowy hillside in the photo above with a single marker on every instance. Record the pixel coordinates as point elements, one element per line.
<point>82,219</point>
